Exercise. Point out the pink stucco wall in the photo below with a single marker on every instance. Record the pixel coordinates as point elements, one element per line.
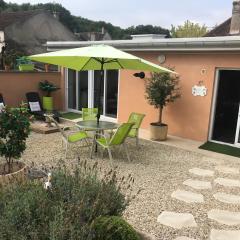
<point>14,86</point>
<point>188,117</point>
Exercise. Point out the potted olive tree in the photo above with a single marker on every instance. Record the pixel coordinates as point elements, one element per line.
<point>161,89</point>
<point>48,88</point>
<point>14,130</point>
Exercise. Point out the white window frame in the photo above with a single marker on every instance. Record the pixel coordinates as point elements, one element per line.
<point>236,143</point>
<point>213,110</point>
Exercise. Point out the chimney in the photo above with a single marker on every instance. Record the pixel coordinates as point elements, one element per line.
<point>103,30</point>
<point>56,15</point>
<point>235,22</point>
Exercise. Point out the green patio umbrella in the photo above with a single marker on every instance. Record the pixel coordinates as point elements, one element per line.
<point>97,57</point>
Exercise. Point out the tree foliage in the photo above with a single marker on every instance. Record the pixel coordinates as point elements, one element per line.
<point>3,5</point>
<point>145,29</point>
<point>188,29</point>
<point>79,24</point>
<point>162,89</point>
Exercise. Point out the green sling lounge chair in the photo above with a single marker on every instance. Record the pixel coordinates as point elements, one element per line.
<point>117,139</point>
<point>71,137</point>
<point>89,114</point>
<point>137,119</point>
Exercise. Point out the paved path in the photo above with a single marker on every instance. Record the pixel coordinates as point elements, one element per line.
<point>222,217</point>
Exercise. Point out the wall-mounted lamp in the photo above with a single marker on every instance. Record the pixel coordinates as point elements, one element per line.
<point>140,75</point>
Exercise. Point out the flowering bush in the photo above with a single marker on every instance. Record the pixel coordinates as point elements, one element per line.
<point>14,130</point>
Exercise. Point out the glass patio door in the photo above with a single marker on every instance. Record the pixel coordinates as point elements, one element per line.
<point>83,87</point>
<point>109,92</point>
<point>77,90</point>
<point>82,90</point>
<point>226,115</point>
<point>97,77</point>
<point>72,90</point>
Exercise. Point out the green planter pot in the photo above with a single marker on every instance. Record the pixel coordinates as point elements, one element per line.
<point>48,103</point>
<point>26,67</point>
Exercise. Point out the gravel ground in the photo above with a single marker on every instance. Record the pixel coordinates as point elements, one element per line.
<point>158,170</point>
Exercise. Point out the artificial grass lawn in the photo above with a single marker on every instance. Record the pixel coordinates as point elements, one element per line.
<point>220,148</point>
<point>71,115</point>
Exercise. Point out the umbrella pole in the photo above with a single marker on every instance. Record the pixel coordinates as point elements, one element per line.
<point>100,92</point>
<point>99,97</point>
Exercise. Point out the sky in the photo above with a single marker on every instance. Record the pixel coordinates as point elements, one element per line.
<point>164,13</point>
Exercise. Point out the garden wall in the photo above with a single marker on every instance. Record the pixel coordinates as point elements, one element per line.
<point>14,86</point>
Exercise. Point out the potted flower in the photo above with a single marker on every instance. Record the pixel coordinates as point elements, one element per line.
<point>48,88</point>
<point>14,130</point>
<point>161,89</point>
<point>24,64</point>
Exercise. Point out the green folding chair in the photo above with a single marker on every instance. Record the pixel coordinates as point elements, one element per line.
<point>89,113</point>
<point>137,119</point>
<point>118,139</point>
<point>71,137</point>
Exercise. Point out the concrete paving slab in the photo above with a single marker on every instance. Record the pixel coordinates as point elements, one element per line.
<point>177,220</point>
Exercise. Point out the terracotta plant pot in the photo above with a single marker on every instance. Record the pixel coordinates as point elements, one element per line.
<point>158,132</point>
<point>48,103</point>
<point>19,174</point>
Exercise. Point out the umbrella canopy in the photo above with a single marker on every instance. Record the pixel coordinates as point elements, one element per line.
<point>97,57</point>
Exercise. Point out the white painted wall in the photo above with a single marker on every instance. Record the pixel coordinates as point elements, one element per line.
<point>1,40</point>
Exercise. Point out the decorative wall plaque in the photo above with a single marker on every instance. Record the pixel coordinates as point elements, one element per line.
<point>199,91</point>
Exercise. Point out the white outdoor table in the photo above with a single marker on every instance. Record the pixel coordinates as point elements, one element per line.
<point>92,125</point>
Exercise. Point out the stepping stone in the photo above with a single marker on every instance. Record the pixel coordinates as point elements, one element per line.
<point>201,172</point>
<point>226,182</point>
<point>188,197</point>
<point>177,220</point>
<point>227,170</point>
<point>198,184</point>
<point>184,238</point>
<point>224,217</point>
<point>227,198</point>
<point>224,235</point>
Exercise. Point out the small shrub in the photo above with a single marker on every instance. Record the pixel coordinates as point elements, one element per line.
<point>113,228</point>
<point>14,130</point>
<point>23,60</point>
<point>66,211</point>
